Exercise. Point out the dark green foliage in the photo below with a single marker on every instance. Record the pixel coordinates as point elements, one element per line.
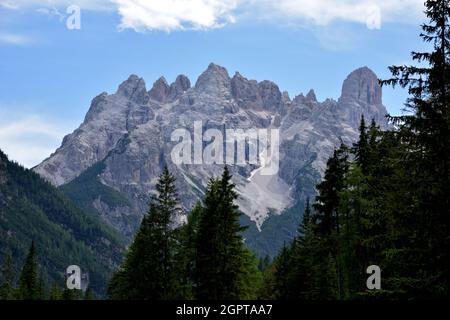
<point>85,189</point>
<point>204,258</point>
<point>187,251</point>
<point>361,149</point>
<point>7,274</point>
<point>29,286</point>
<point>32,209</point>
<point>390,206</point>
<point>72,295</point>
<point>426,134</point>
<point>89,295</point>
<point>149,271</point>
<point>222,260</point>
<point>55,293</point>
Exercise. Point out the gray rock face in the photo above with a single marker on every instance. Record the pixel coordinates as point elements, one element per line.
<point>362,85</point>
<point>361,91</point>
<point>134,90</point>
<point>160,90</point>
<point>130,133</point>
<point>181,84</point>
<point>311,96</point>
<point>214,80</point>
<point>246,93</point>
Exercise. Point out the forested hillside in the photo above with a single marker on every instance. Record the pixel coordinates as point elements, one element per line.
<point>33,210</point>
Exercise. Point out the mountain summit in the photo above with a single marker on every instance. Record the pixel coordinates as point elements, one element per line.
<point>125,141</point>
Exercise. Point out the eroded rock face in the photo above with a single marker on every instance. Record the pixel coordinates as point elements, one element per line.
<point>181,84</point>
<point>214,81</point>
<point>130,133</point>
<point>160,90</point>
<point>362,92</point>
<point>134,90</point>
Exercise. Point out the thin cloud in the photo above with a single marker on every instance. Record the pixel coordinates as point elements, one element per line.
<point>93,5</point>
<point>14,39</point>
<point>324,12</point>
<point>176,15</point>
<point>8,4</point>
<point>30,139</point>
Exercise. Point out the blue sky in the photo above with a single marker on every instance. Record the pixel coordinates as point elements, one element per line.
<point>49,73</point>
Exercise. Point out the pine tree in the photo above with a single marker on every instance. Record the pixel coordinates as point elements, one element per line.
<point>307,216</point>
<point>327,201</point>
<point>72,294</point>
<point>7,279</point>
<point>361,148</point>
<point>42,290</point>
<point>55,292</point>
<point>149,271</point>
<point>28,281</point>
<point>283,268</point>
<point>427,134</point>
<point>89,295</point>
<point>186,253</point>
<point>221,255</point>
<point>301,255</point>
<point>327,211</point>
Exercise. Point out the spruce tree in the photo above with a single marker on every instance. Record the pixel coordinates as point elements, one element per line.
<point>149,269</point>
<point>301,255</point>
<point>426,131</point>
<point>221,255</point>
<point>88,294</point>
<point>283,270</point>
<point>327,201</point>
<point>55,292</point>
<point>28,281</point>
<point>361,148</point>
<point>186,253</point>
<point>328,215</point>
<point>7,279</point>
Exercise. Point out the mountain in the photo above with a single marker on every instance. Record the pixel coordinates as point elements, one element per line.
<point>111,162</point>
<point>32,209</point>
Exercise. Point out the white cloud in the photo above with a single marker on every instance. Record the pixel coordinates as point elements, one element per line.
<point>169,15</point>
<point>14,39</point>
<point>30,139</point>
<point>8,4</point>
<point>323,12</point>
<point>96,5</point>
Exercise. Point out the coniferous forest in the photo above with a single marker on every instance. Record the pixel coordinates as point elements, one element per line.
<point>383,201</point>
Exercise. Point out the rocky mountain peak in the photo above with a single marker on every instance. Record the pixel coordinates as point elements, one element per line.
<point>181,84</point>
<point>133,89</point>
<point>270,94</point>
<point>362,94</point>
<point>245,92</point>
<point>213,80</point>
<point>362,85</point>
<point>160,90</point>
<point>311,96</point>
<point>131,140</point>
